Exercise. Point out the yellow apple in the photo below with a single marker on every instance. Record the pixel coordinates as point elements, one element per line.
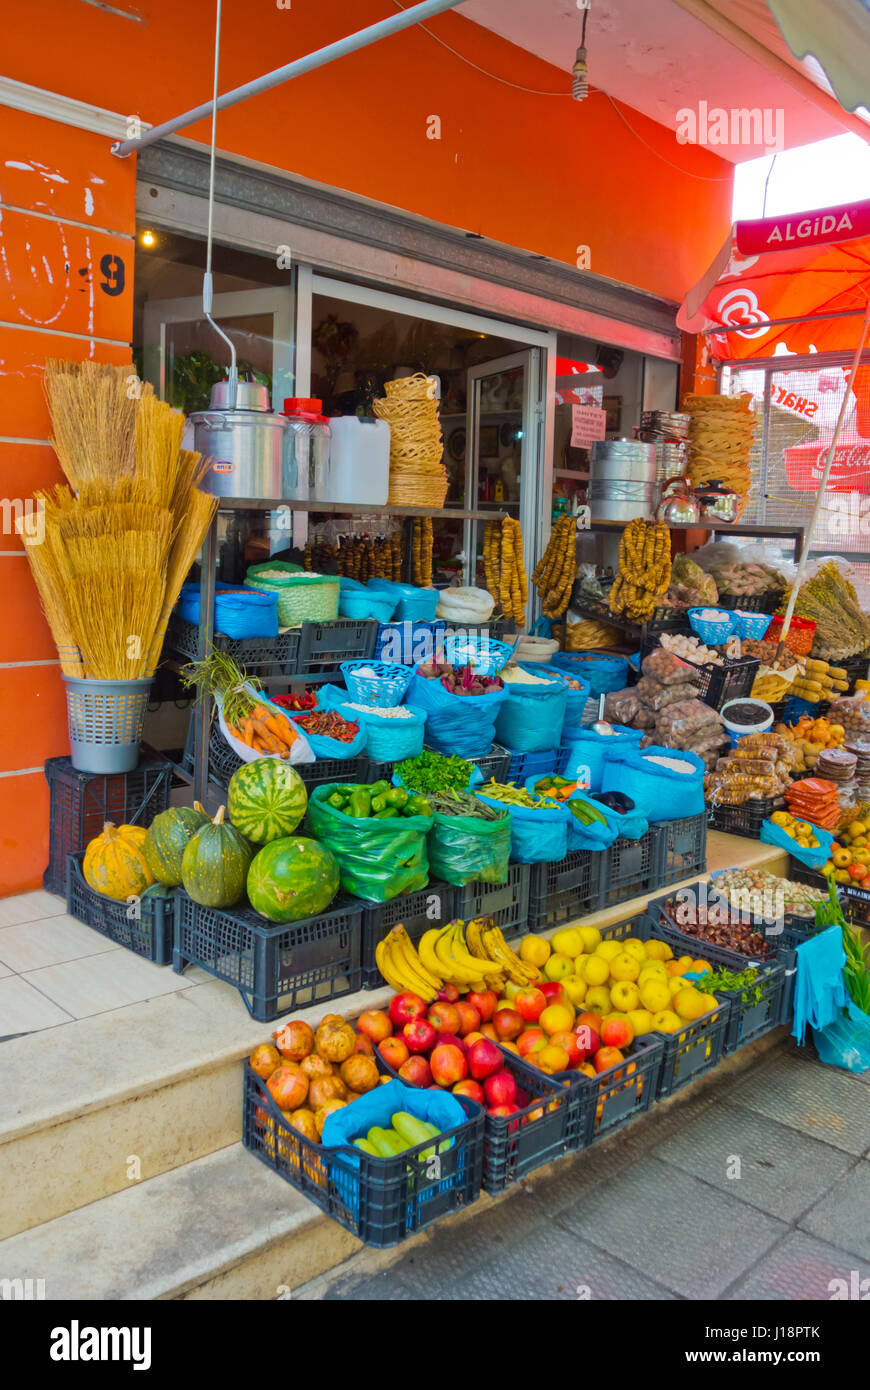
<point>624,996</point>
<point>597,1000</point>
<point>558,966</point>
<point>534,950</point>
<point>657,950</point>
<point>666,1021</point>
<point>575,987</point>
<point>689,1004</point>
<point>635,948</point>
<point>595,970</point>
<point>567,942</point>
<point>641,1021</point>
<point>655,995</point>
<point>607,950</point>
<point>624,967</point>
<point>591,938</point>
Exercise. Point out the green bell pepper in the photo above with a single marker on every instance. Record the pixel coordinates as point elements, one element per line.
<point>380,788</point>
<point>389,814</point>
<point>379,803</point>
<point>397,796</point>
<point>361,803</point>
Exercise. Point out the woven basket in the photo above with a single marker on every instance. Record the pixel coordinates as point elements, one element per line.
<point>418,387</point>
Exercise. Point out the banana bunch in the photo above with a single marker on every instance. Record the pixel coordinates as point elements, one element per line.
<point>486,942</point>
<point>402,967</point>
<point>443,950</point>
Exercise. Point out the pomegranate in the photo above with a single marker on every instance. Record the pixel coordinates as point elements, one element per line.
<point>315,1066</point>
<point>335,1041</point>
<point>264,1060</point>
<point>360,1073</point>
<point>323,1113</point>
<point>295,1040</point>
<point>326,1088</point>
<point>303,1120</point>
<point>288,1087</point>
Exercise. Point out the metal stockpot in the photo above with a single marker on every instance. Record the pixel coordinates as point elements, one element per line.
<point>622,475</point>
<point>245,444</point>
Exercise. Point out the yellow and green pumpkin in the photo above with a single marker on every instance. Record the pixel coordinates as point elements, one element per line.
<point>115,863</point>
<point>214,866</point>
<point>167,838</point>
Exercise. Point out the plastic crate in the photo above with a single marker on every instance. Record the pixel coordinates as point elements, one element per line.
<point>144,927</point>
<point>324,646</point>
<point>692,1050</point>
<point>523,765</point>
<point>80,803</point>
<point>626,869</point>
<point>416,641</point>
<point>506,903</point>
<point>778,934</point>
<point>275,967</point>
<point>324,770</point>
<point>252,653</point>
<point>493,764</point>
<point>614,1097</point>
<point>432,906</point>
<point>855,901</point>
<point>680,848</point>
<point>750,603</point>
<point>382,1201</point>
<point>856,668</point>
<point>732,680</point>
<point>561,891</point>
<point>746,819</point>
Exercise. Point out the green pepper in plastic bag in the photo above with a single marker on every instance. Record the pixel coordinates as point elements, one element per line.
<point>468,849</point>
<point>378,858</point>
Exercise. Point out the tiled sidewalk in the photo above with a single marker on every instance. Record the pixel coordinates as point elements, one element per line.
<point>759,1189</point>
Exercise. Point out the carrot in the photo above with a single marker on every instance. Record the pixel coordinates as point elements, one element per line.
<point>246,732</point>
<point>267,738</point>
<point>281,728</point>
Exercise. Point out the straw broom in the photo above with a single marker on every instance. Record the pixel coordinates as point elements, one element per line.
<point>50,587</point>
<point>93,414</point>
<point>193,523</point>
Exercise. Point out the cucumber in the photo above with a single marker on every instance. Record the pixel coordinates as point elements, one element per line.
<point>386,1142</point>
<point>367,1148</point>
<point>412,1130</point>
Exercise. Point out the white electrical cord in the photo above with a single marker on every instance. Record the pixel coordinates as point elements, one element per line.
<point>207,283</point>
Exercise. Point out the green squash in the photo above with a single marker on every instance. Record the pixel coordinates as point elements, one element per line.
<point>266,800</point>
<point>214,866</point>
<point>168,836</point>
<point>293,878</point>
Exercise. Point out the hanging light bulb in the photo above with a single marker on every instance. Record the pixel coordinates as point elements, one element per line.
<point>580,71</point>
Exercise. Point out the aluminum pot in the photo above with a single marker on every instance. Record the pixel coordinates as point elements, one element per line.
<point>245,445</point>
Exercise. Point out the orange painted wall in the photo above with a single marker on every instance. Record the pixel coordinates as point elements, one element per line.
<point>65,204</point>
<point>540,172</point>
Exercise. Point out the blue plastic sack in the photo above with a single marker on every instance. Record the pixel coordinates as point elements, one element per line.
<point>333,747</point>
<point>658,792</point>
<point>596,835</point>
<point>820,989</point>
<point>604,673</point>
<point>463,724</point>
<point>537,837</point>
<point>390,740</point>
<point>360,605</point>
<point>413,604</point>
<point>588,750</point>
<point>532,717</point>
<point>236,614</point>
<point>576,703</point>
<point>813,858</point>
<point>378,1107</point>
<point>630,825</point>
<point>845,1042</point>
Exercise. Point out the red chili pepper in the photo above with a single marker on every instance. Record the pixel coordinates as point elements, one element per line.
<point>329,724</point>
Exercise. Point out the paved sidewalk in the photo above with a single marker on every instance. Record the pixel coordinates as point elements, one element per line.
<point>758,1189</point>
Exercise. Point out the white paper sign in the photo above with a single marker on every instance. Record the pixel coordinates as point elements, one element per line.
<point>587,425</point>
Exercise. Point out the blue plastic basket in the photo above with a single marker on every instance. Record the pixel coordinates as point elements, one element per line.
<point>483,652</point>
<point>362,603</point>
<point>711,632</point>
<point>385,688</point>
<point>750,624</point>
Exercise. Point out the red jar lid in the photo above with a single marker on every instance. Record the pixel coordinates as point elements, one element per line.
<point>304,407</point>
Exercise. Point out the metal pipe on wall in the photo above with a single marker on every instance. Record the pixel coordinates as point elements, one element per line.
<point>352,43</point>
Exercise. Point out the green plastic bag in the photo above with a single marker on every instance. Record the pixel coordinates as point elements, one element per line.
<point>466,849</point>
<point>377,859</point>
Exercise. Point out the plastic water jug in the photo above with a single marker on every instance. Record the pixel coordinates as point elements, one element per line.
<point>306,451</point>
<point>359,460</point>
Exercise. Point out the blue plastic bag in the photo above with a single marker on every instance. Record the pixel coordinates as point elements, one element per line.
<point>237,614</point>
<point>604,673</point>
<point>820,989</point>
<point>378,1107</point>
<point>323,747</point>
<point>413,604</point>
<point>537,837</point>
<point>658,792</point>
<point>631,825</point>
<point>588,752</point>
<point>391,740</point>
<point>845,1042</point>
<point>532,717</point>
<point>463,724</point>
<point>813,858</point>
<point>576,704</point>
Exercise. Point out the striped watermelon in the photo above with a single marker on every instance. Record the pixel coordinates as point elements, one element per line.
<point>292,878</point>
<point>266,800</point>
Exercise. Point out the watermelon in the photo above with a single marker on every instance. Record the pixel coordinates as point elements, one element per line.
<point>166,840</point>
<point>292,878</point>
<point>215,864</point>
<point>266,800</point>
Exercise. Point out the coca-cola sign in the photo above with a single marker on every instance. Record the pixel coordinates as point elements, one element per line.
<point>850,469</point>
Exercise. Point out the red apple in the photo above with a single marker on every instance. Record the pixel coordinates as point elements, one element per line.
<point>472,1090</point>
<point>571,1044</point>
<point>443,1017</point>
<point>451,1040</point>
<point>507,1023</point>
<point>448,993</point>
<point>485,1002</point>
<point>503,1112</point>
<point>375,1024</point>
<point>588,1040</point>
<point>420,1035</point>
<point>394,1052</point>
<point>404,1008</point>
<point>616,1032</point>
<point>530,1040</point>
<point>471,1038</point>
<point>469,1018</point>
<point>531,1003</point>
<point>553,992</point>
<point>522,1099</point>
<point>448,1065</point>
<point>416,1071</point>
<point>500,1089</point>
<point>485,1058</point>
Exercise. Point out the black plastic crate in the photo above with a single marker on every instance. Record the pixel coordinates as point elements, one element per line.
<point>746,819</point>
<point>506,903</point>
<point>695,1048</point>
<point>493,764</point>
<point>143,927</point>
<point>80,803</point>
<point>561,891</point>
<point>855,901</point>
<point>251,653</point>
<point>616,1096</point>
<point>521,766</point>
<point>275,967</point>
<point>855,668</point>
<point>432,906</point>
<point>680,848</point>
<point>324,646</point>
<point>324,770</point>
<point>750,603</point>
<point>381,1200</point>
<point>626,869</point>
<point>777,934</point>
<point>732,680</point>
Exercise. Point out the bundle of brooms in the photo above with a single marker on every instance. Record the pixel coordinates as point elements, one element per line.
<point>119,541</point>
